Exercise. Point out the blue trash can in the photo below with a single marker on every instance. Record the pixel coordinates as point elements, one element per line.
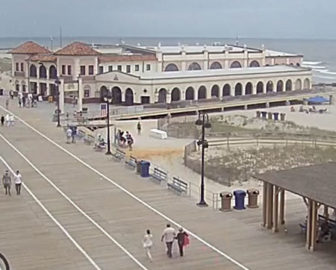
<point>264,114</point>
<point>239,199</point>
<point>276,116</point>
<point>144,168</point>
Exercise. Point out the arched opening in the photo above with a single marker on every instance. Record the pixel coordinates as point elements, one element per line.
<point>215,91</point>
<point>298,64</point>
<point>43,72</point>
<point>306,84</point>
<point>162,96</point>
<point>254,63</point>
<point>175,94</point>
<point>280,86</point>
<point>238,89</point>
<point>116,95</point>
<point>289,85</point>
<point>260,88</point>
<point>52,72</point>
<point>269,87</point>
<point>194,66</point>
<point>235,64</point>
<point>190,93</point>
<point>215,65</point>
<point>32,71</point>
<point>298,84</point>
<point>202,92</point>
<point>103,93</point>
<point>129,97</point>
<point>226,90</point>
<point>248,89</point>
<point>171,67</point>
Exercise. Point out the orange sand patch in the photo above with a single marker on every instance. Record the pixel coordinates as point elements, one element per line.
<point>162,152</point>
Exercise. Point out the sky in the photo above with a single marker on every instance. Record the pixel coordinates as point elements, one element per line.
<point>308,19</point>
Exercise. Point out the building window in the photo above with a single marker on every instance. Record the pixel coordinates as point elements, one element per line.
<point>87,93</point>
<point>119,68</point>
<point>128,68</point>
<point>136,68</point>
<point>63,69</point>
<point>69,70</point>
<point>101,69</point>
<point>148,67</point>
<point>110,68</point>
<point>91,70</point>
<point>82,70</point>
<point>22,68</point>
<point>17,67</point>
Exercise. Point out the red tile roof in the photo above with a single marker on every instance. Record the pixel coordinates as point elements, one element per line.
<point>77,48</point>
<point>121,58</point>
<point>43,58</point>
<point>30,47</point>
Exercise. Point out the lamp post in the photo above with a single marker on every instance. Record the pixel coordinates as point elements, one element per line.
<point>58,82</point>
<point>108,100</point>
<point>203,120</point>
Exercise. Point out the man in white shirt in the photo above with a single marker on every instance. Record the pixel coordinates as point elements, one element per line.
<point>168,235</point>
<point>18,182</point>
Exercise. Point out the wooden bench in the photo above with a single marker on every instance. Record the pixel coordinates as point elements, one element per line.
<point>89,139</point>
<point>156,133</point>
<point>131,162</point>
<point>159,175</point>
<point>178,185</point>
<point>118,154</point>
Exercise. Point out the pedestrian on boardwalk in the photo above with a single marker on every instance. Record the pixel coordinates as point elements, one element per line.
<point>168,236</point>
<point>148,243</point>
<point>7,120</point>
<point>23,101</point>
<point>68,135</point>
<point>139,128</point>
<point>18,182</point>
<point>7,182</point>
<point>2,120</point>
<point>129,140</point>
<point>7,103</point>
<point>182,240</point>
<point>73,134</point>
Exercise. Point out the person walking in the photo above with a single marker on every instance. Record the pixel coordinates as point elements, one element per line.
<point>73,134</point>
<point>18,182</point>
<point>7,120</point>
<point>68,135</point>
<point>168,235</point>
<point>182,240</point>
<point>2,120</point>
<point>139,128</point>
<point>7,182</point>
<point>147,244</point>
<point>7,103</point>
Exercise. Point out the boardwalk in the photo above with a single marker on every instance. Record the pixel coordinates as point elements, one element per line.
<point>106,208</point>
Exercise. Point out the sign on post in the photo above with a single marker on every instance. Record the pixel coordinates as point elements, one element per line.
<point>103,109</point>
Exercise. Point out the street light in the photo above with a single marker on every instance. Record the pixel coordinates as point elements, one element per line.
<point>58,82</point>
<point>108,100</point>
<point>203,120</point>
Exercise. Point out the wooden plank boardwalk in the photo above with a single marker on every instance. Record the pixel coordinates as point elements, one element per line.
<point>31,240</point>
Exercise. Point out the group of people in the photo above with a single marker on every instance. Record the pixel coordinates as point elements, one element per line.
<point>7,182</point>
<point>71,134</point>
<point>169,235</point>
<point>125,139</point>
<point>27,100</point>
<point>7,120</point>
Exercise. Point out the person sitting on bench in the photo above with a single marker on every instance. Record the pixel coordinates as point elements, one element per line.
<point>100,142</point>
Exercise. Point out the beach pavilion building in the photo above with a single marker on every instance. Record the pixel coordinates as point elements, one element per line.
<point>156,74</point>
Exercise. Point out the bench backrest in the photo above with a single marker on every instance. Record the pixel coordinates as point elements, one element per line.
<point>90,137</point>
<point>178,182</point>
<point>133,159</point>
<point>160,173</point>
<point>330,221</point>
<point>120,152</point>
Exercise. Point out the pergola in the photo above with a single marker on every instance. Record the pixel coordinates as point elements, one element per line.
<point>316,184</point>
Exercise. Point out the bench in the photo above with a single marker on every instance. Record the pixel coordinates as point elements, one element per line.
<point>118,154</point>
<point>178,185</point>
<point>156,133</point>
<point>99,146</point>
<point>159,175</point>
<point>331,224</point>
<point>89,139</point>
<point>131,162</point>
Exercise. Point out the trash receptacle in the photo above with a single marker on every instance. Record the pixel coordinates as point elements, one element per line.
<point>252,198</point>
<point>138,167</point>
<point>270,116</point>
<point>239,199</point>
<point>226,201</point>
<point>144,168</point>
<point>276,116</point>
<point>263,114</point>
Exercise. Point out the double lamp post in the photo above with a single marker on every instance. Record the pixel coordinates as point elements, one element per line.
<point>203,121</point>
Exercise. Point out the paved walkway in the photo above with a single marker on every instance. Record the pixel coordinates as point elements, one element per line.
<point>115,207</point>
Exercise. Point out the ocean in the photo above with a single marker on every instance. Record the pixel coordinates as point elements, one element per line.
<point>320,55</point>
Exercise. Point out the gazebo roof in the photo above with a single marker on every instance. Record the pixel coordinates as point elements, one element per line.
<point>317,182</point>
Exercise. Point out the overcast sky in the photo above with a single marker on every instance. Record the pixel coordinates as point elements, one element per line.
<point>169,18</point>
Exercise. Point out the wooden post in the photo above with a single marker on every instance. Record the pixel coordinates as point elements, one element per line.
<point>309,224</point>
<point>314,226</point>
<point>265,203</point>
<point>269,206</point>
<point>276,210</point>
<point>282,207</point>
